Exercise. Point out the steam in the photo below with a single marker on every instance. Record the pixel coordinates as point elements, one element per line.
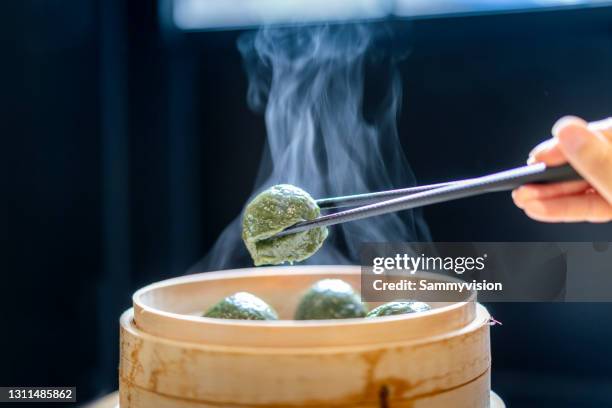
<point>309,82</point>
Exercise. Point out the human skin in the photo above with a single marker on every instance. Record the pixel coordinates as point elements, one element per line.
<point>588,148</point>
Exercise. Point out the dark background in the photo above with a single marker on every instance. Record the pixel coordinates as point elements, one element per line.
<point>119,138</point>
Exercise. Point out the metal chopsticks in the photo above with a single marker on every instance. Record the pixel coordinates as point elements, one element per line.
<point>502,181</point>
<point>370,198</point>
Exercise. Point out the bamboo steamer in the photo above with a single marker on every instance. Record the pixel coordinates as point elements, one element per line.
<point>173,358</point>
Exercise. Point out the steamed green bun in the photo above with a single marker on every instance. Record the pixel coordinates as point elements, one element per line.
<point>398,308</point>
<point>330,299</point>
<point>242,306</point>
<point>272,211</point>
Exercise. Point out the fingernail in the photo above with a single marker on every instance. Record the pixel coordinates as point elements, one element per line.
<point>571,138</point>
<point>566,121</point>
<point>541,146</point>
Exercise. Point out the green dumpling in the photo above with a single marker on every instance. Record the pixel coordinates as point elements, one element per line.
<point>272,211</point>
<point>330,299</point>
<point>244,306</point>
<point>398,308</point>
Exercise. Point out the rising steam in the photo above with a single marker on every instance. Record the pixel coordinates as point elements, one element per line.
<point>309,81</point>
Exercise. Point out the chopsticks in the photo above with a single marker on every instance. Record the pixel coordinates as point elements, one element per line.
<point>501,181</point>
<point>370,198</point>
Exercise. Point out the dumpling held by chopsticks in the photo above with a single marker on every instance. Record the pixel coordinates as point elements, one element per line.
<point>272,211</point>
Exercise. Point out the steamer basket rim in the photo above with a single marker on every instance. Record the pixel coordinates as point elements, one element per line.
<point>140,306</point>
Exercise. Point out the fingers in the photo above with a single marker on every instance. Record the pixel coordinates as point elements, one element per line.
<point>589,207</point>
<point>542,191</point>
<point>589,152</point>
<point>603,126</point>
<point>548,151</point>
<point>588,148</point>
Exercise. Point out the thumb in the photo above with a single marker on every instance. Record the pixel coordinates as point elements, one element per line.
<point>589,152</point>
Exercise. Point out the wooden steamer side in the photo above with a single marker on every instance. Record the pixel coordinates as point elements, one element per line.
<point>172,358</point>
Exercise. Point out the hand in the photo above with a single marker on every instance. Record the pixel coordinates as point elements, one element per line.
<point>588,148</point>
